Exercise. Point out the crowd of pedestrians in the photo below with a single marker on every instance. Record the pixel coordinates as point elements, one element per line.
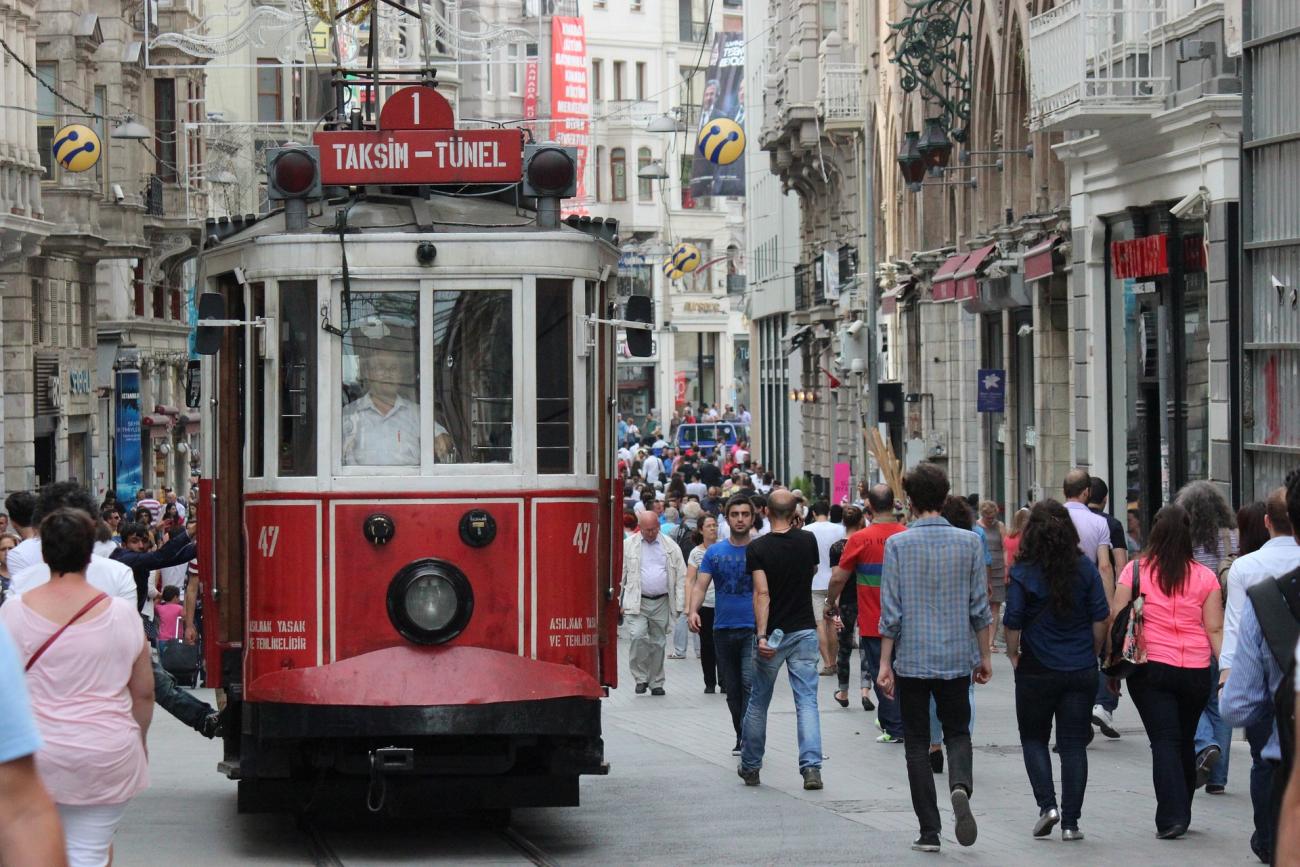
<point>1198,623</point>
<point>90,592</point>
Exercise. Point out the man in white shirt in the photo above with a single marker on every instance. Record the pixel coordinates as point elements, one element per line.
<point>827,534</point>
<point>652,592</point>
<point>651,469</point>
<point>1279,555</point>
<point>381,428</point>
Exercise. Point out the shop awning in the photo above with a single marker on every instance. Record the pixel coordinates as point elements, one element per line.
<point>966,288</point>
<point>1038,260</point>
<point>943,285</point>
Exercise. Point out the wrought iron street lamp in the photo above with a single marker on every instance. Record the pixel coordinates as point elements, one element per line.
<point>936,147</point>
<point>911,162</point>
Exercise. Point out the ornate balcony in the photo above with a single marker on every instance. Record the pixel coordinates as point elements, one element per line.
<point>840,101</point>
<point>1097,63</point>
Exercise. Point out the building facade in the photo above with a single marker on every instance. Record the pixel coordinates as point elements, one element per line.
<point>119,230</point>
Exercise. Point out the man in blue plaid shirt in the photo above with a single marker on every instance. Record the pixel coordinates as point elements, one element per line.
<point>934,628</point>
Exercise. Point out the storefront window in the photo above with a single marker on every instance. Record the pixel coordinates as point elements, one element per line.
<point>381,411</point>
<point>298,327</point>
<point>473,361</point>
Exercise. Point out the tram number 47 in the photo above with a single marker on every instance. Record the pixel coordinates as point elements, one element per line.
<point>267,539</point>
<point>582,537</point>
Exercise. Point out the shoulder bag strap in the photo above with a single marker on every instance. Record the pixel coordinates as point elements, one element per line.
<point>1276,621</point>
<point>46,646</point>
<point>1137,578</point>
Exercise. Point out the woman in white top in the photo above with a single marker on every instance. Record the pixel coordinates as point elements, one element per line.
<point>705,535</point>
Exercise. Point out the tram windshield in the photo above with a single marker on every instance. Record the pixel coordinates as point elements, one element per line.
<point>469,357</point>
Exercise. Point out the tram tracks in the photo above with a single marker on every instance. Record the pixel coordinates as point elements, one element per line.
<point>323,853</point>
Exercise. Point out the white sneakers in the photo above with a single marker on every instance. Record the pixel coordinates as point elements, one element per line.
<point>1103,720</point>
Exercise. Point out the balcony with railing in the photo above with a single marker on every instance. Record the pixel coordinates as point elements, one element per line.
<point>1097,63</point>
<point>840,96</point>
<point>692,31</point>
<point>626,113</point>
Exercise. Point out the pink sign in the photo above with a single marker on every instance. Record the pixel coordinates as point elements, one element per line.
<point>841,479</point>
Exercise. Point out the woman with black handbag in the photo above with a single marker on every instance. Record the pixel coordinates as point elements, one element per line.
<point>1181,626</point>
<point>1055,626</point>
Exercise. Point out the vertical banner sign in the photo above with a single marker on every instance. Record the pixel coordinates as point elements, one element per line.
<point>991,392</point>
<point>127,440</point>
<point>570,99</point>
<point>724,96</point>
<point>840,477</point>
<point>532,75</point>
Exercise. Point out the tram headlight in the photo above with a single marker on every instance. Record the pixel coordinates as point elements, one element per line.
<point>430,601</point>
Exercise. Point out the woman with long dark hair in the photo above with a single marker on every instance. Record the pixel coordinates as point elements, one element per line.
<point>1182,614</point>
<point>705,534</point>
<point>1056,623</point>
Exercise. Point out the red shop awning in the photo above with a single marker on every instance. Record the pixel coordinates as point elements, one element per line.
<point>966,288</point>
<point>943,283</point>
<point>1038,260</point>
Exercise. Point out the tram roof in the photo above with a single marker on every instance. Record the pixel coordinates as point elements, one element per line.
<point>388,212</point>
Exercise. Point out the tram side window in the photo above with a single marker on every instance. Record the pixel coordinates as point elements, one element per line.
<point>298,329</point>
<point>554,376</point>
<point>473,369</point>
<point>381,379</point>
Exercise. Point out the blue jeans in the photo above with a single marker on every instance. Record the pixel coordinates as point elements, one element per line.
<point>1261,785</point>
<point>801,656</point>
<point>1211,729</point>
<point>936,730</point>
<point>735,652</point>
<point>1107,699</point>
<point>1067,696</point>
<point>891,718</point>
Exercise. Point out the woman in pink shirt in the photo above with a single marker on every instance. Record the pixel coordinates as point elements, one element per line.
<point>91,685</point>
<point>1183,624</point>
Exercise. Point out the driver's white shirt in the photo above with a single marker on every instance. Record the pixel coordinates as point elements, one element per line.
<point>375,439</point>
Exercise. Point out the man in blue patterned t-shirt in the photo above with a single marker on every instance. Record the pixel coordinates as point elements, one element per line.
<point>733,617</point>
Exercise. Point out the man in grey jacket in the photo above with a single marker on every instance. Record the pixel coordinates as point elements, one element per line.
<point>653,579</point>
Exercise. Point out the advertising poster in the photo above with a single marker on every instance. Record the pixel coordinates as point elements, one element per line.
<point>532,79</point>
<point>127,439</point>
<point>724,96</point>
<point>570,98</point>
<point>841,483</point>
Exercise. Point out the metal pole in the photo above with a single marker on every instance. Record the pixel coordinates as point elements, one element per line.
<point>872,301</point>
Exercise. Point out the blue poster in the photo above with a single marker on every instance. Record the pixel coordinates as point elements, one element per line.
<point>127,441</point>
<point>991,392</point>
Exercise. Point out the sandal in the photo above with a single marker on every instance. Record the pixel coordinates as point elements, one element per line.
<point>867,704</point>
<point>842,696</point>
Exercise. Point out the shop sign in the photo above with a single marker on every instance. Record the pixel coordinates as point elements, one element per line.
<point>79,381</point>
<point>991,390</point>
<point>1140,257</point>
<point>702,307</point>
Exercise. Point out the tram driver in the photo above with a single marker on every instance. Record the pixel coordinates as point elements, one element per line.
<point>381,428</point>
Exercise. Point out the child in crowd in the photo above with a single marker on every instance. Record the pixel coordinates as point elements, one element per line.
<point>171,616</point>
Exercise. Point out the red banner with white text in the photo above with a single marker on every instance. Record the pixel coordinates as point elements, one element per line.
<point>570,96</point>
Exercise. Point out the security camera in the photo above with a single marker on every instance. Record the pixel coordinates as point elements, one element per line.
<point>854,327</point>
<point>118,195</point>
<point>1192,206</point>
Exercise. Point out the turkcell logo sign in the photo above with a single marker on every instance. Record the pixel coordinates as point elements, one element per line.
<point>991,390</point>
<point>127,439</point>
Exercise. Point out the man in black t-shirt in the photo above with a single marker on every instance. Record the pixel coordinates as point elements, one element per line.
<point>1107,697</point>
<point>783,563</point>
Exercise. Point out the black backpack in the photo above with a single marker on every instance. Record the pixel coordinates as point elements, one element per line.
<point>1277,607</point>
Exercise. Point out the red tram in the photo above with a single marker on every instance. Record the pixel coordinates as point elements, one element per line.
<point>411,523</point>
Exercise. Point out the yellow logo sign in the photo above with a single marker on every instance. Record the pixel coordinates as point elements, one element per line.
<point>721,141</point>
<point>76,147</point>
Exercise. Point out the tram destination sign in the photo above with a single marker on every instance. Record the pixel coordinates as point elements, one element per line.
<point>484,156</point>
<point>417,143</point>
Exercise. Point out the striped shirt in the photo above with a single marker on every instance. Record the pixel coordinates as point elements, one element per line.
<point>934,599</point>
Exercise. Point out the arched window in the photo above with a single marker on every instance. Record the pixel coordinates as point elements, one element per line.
<point>618,174</point>
<point>645,188</point>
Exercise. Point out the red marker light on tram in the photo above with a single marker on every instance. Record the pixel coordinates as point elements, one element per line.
<point>293,172</point>
<point>550,171</point>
